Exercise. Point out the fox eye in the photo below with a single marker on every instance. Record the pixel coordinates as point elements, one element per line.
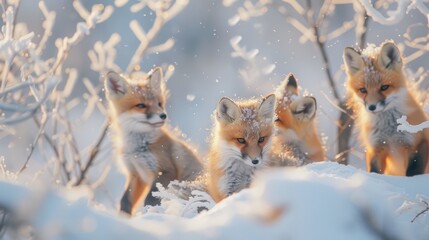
<point>241,140</point>
<point>384,87</point>
<point>160,104</point>
<point>261,139</point>
<point>140,105</point>
<point>362,90</point>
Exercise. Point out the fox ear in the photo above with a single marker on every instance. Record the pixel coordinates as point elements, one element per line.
<point>116,85</point>
<point>266,109</point>
<point>353,60</point>
<point>304,108</point>
<point>289,84</point>
<point>390,56</point>
<point>227,110</point>
<point>155,78</point>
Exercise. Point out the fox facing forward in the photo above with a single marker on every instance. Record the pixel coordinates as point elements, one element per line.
<point>240,144</point>
<point>379,96</point>
<point>296,141</point>
<point>148,152</point>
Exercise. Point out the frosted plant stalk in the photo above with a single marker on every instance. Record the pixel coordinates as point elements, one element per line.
<point>405,126</point>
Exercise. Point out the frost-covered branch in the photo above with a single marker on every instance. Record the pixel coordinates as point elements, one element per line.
<point>98,14</point>
<point>395,16</point>
<point>420,205</point>
<point>256,68</point>
<point>103,55</point>
<point>164,11</point>
<point>407,127</point>
<point>248,10</point>
<point>30,89</point>
<point>189,198</point>
<point>51,76</point>
<point>424,211</point>
<point>48,24</point>
<point>9,46</point>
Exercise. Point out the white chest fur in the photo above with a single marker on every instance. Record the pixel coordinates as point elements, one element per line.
<point>136,154</point>
<point>236,173</point>
<point>384,129</point>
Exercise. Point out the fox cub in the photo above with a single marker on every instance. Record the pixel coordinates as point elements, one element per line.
<point>240,144</point>
<point>147,151</point>
<point>379,96</point>
<point>295,141</point>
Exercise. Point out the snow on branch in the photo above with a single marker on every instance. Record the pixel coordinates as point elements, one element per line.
<point>30,89</point>
<point>48,24</point>
<point>249,56</point>
<point>185,199</point>
<point>256,68</point>
<point>41,76</point>
<point>395,16</point>
<point>248,11</point>
<point>9,47</point>
<point>103,55</point>
<point>97,15</point>
<point>24,111</point>
<point>164,11</point>
<point>421,205</point>
<point>416,37</point>
<point>405,126</point>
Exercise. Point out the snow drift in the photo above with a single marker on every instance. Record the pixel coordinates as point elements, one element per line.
<point>318,201</point>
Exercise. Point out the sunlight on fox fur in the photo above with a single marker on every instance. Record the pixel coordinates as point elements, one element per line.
<point>240,142</point>
<point>147,152</point>
<point>379,96</point>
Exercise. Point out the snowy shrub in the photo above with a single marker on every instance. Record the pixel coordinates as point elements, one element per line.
<point>38,86</point>
<point>184,199</point>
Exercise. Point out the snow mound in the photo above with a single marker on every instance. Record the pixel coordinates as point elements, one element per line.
<point>317,201</point>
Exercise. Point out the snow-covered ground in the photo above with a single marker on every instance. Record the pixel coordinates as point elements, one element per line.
<point>317,201</point>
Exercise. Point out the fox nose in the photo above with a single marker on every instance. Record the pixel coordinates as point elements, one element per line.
<point>372,107</point>
<point>163,116</point>
<point>255,161</point>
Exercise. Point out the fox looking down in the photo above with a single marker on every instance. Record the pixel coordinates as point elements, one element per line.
<point>147,151</point>
<point>379,96</point>
<point>240,144</point>
<point>296,141</point>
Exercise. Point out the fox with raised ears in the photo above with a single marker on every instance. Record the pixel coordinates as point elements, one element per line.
<point>296,141</point>
<point>379,96</point>
<point>147,151</point>
<point>240,144</point>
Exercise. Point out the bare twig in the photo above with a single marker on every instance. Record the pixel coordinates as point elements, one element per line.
<point>321,46</point>
<point>94,152</point>
<point>345,121</point>
<point>3,220</point>
<point>34,144</point>
<point>422,212</point>
<point>47,138</point>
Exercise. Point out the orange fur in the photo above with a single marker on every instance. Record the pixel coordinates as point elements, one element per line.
<point>147,151</point>
<point>378,89</point>
<point>247,136</point>
<point>296,125</point>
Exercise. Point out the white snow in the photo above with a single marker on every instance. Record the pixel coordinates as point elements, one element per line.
<point>405,126</point>
<point>318,201</point>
